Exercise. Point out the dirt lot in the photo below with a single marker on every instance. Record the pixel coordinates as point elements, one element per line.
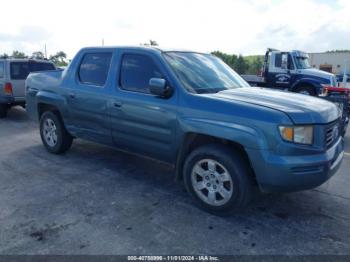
<point>95,200</point>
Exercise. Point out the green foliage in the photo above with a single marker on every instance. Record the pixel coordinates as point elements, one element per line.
<point>59,59</point>
<point>38,55</point>
<point>18,54</point>
<point>242,65</point>
<point>153,43</point>
<point>4,56</point>
<point>255,64</point>
<point>228,59</point>
<point>150,43</point>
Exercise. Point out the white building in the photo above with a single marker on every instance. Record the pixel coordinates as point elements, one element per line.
<point>331,62</point>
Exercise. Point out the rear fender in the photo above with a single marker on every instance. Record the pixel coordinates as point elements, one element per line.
<point>52,99</point>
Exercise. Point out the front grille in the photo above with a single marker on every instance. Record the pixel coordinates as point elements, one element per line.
<point>332,134</point>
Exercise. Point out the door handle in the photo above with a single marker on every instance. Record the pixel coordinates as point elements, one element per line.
<point>71,95</point>
<point>117,104</point>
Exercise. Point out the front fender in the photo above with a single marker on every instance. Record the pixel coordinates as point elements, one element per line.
<point>308,82</point>
<point>247,136</point>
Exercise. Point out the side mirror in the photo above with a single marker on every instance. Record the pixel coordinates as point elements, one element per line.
<point>159,87</point>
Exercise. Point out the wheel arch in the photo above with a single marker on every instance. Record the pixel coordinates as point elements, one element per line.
<point>192,141</point>
<point>304,83</point>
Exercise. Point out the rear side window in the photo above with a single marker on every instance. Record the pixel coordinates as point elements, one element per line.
<point>37,66</point>
<point>94,68</point>
<point>20,70</point>
<point>136,71</point>
<point>2,69</point>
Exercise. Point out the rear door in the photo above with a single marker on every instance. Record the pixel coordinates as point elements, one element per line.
<point>87,96</point>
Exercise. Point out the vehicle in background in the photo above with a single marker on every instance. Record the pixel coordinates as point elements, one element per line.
<point>193,112</point>
<point>341,97</point>
<point>291,71</point>
<point>13,73</point>
<point>340,79</point>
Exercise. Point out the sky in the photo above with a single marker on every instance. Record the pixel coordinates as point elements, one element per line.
<point>245,27</point>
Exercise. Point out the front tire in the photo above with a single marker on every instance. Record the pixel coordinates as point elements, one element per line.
<point>218,179</point>
<point>54,135</point>
<point>3,110</point>
<point>306,90</point>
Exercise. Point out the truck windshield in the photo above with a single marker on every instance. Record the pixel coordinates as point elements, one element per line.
<point>203,73</point>
<point>302,62</point>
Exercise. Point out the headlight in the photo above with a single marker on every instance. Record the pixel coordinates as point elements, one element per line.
<point>297,134</point>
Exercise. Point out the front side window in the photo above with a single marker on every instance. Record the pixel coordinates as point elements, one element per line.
<point>203,73</point>
<point>94,68</point>
<point>136,71</point>
<point>2,69</point>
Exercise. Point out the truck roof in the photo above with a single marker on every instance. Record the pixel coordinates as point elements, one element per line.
<point>146,48</point>
<point>11,59</point>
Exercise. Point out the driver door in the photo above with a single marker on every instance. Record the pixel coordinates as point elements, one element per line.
<point>141,122</point>
<point>279,74</point>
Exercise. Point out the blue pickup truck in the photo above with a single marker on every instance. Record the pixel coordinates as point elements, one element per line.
<point>192,111</point>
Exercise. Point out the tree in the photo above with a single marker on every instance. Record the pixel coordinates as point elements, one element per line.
<point>256,65</point>
<point>18,54</point>
<point>228,59</point>
<point>4,56</point>
<point>153,43</point>
<point>38,55</point>
<point>241,66</point>
<point>59,59</point>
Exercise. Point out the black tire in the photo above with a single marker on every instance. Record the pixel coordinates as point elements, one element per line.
<point>238,169</point>
<point>63,138</point>
<point>3,111</point>
<point>306,90</point>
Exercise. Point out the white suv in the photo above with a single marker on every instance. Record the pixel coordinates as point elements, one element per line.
<point>13,73</point>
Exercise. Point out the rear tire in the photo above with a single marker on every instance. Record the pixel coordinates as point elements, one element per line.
<point>3,110</point>
<point>54,135</point>
<point>218,179</point>
<point>306,90</point>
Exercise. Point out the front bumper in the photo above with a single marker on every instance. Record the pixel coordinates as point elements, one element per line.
<point>276,173</point>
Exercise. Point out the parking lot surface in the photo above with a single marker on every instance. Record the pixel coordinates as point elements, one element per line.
<point>95,200</point>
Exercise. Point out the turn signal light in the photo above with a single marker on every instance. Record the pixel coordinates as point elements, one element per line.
<point>8,88</point>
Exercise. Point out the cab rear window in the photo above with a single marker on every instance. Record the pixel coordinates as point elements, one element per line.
<point>20,70</point>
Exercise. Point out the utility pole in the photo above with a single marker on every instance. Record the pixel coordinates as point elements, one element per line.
<point>103,42</point>
<point>45,51</point>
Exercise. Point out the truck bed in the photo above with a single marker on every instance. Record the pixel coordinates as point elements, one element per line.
<point>254,80</point>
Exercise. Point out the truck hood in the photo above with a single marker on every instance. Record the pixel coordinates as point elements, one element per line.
<point>318,73</point>
<point>302,109</point>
